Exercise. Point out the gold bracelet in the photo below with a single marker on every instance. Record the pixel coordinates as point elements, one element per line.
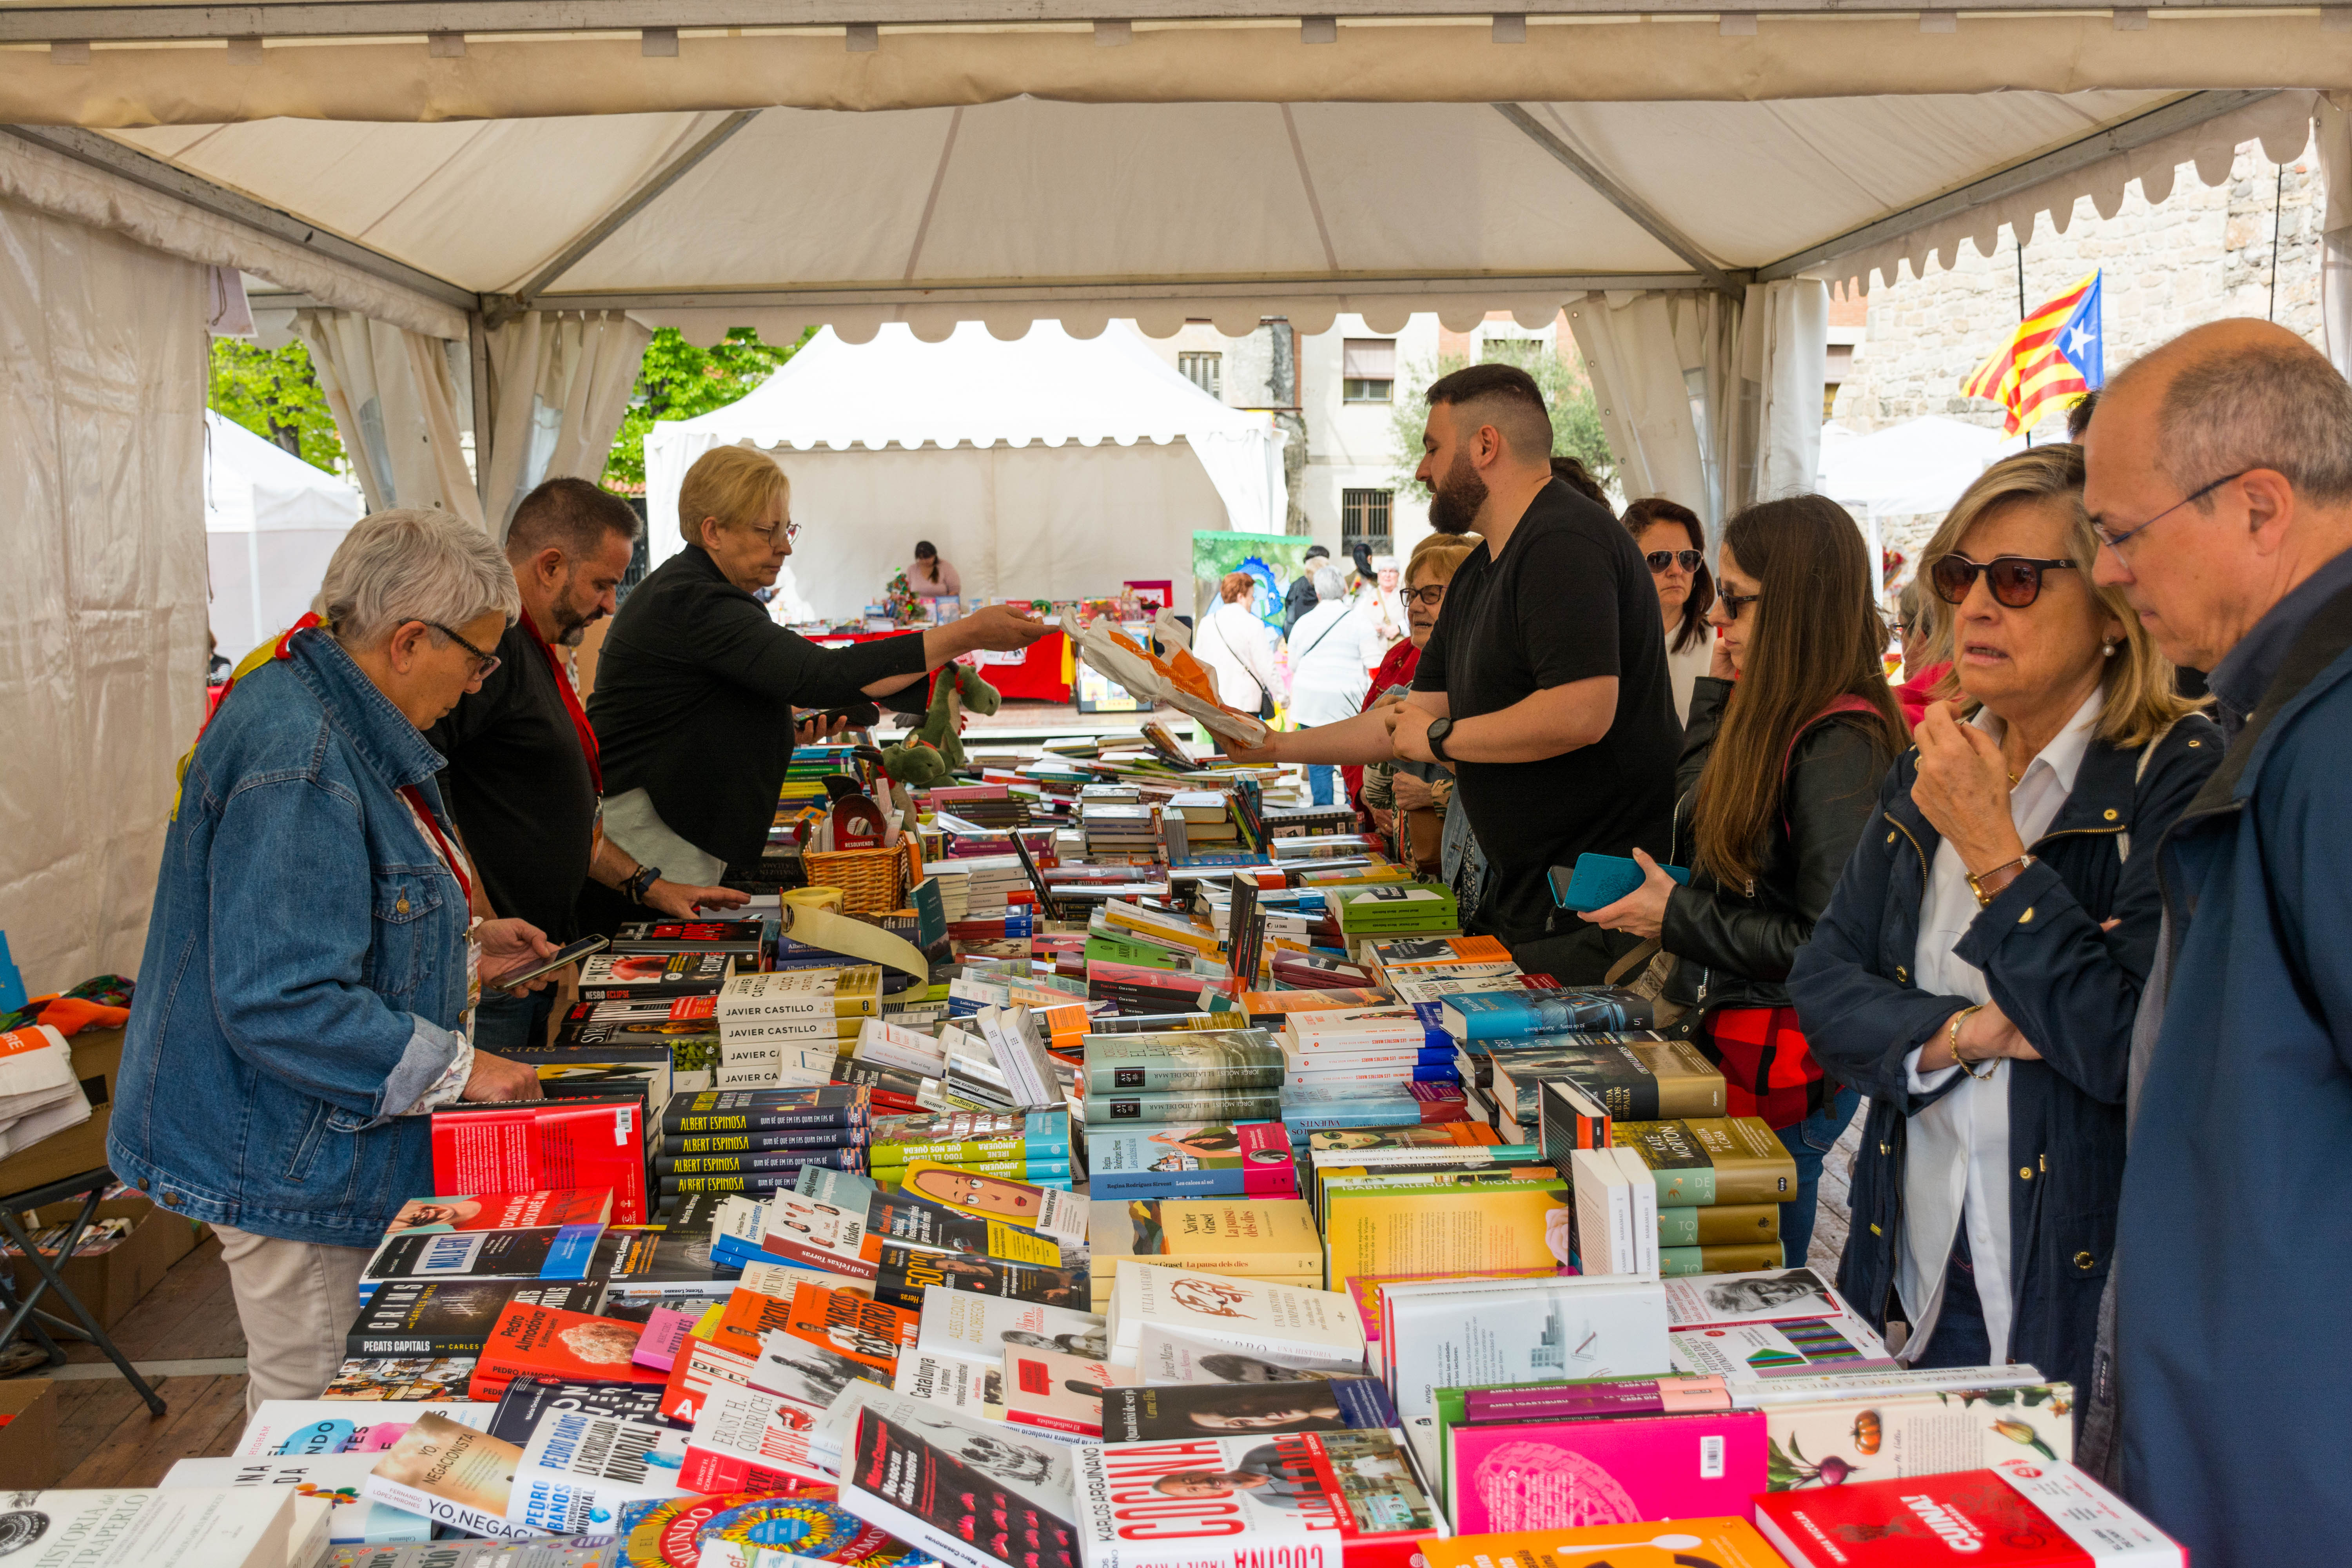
<point>1953,1039</point>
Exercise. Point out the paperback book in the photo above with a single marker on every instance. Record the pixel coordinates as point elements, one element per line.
<point>1253,1160</point>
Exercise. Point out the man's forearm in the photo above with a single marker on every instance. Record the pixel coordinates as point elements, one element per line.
<point>611,865</point>
<point>1363,738</point>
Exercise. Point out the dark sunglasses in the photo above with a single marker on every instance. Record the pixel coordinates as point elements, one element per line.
<point>483,662</point>
<point>2015,580</point>
<point>1734,602</point>
<point>1660,559</point>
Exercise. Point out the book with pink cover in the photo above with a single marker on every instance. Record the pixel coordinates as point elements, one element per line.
<point>1568,1474</point>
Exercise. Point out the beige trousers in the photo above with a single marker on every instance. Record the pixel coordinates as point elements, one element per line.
<point>297,1300</point>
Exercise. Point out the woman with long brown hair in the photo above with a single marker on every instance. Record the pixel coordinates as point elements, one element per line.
<point>1673,544</point>
<point>1789,736</point>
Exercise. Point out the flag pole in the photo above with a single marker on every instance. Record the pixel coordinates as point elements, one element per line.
<point>2020,298</point>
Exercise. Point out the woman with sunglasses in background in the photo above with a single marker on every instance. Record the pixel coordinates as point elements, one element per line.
<point>1423,791</point>
<point>1978,973</point>
<point>1789,735</point>
<point>1673,543</point>
<point>697,688</point>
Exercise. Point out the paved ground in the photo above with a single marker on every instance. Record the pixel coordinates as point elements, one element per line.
<point>1837,1171</point>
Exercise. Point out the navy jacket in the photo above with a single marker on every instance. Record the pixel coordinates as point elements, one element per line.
<point>2236,1256</point>
<point>2070,988</point>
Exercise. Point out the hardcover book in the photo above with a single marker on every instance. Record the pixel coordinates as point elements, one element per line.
<point>1271,1238</point>
<point>1633,1082</point>
<point>530,1146</point>
<point>923,1225</point>
<point>450,1317</point>
<point>960,1493</point>
<point>2019,1513</point>
<point>1557,1475</point>
<point>1253,1160</point>
<point>1172,1413</point>
<point>1719,1160</point>
<point>561,1252</point>
<point>1258,1498</point>
<point>1481,1016</point>
<point>1725,1543</point>
<point>1195,1060</point>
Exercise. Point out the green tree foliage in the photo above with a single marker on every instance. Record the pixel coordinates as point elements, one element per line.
<point>1567,392</point>
<point>679,381</point>
<point>274,394</point>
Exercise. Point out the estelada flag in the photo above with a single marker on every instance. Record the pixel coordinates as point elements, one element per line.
<point>2056,354</point>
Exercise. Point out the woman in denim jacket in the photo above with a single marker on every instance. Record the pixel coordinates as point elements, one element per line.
<point>306,990</point>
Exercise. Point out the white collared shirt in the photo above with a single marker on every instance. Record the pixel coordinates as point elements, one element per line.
<point>1956,1162</point>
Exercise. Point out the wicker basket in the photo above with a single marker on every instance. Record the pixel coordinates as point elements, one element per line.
<point>872,881</point>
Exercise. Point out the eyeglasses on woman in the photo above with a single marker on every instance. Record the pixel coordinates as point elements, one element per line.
<point>1659,560</point>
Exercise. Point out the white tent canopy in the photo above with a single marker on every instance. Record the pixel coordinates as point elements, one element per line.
<point>271,522</point>
<point>1920,466</point>
<point>1052,466</point>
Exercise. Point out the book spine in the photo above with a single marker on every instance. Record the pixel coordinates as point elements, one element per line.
<point>786,1161</point>
<point>1683,1260</point>
<point>686,1143</point>
<point>777,1120</point>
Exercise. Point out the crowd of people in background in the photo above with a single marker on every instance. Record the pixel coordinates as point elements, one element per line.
<point>2037,900</point>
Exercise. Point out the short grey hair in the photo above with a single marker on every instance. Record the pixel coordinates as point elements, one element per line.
<point>413,564</point>
<point>2267,405</point>
<point>1327,584</point>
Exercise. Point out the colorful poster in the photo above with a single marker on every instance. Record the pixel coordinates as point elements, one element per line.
<point>1274,560</point>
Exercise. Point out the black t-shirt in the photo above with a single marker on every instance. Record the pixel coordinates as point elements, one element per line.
<point>1570,600</point>
<point>694,699</point>
<point>519,785</point>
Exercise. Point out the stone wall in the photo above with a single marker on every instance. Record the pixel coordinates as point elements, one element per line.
<point>2203,255</point>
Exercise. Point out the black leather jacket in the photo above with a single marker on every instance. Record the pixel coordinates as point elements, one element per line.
<point>1734,946</point>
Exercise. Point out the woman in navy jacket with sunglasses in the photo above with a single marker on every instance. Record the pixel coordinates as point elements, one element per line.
<point>1978,970</point>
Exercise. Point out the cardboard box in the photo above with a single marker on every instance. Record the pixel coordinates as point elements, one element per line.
<point>110,1283</point>
<point>29,1459</point>
<point>97,1055</point>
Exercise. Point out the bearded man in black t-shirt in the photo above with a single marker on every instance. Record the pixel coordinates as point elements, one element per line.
<point>1544,686</point>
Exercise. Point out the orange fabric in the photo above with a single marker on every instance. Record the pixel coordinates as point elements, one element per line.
<point>70,1015</point>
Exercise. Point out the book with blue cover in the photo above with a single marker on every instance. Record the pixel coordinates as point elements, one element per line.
<point>1220,1160</point>
<point>1486,1015</point>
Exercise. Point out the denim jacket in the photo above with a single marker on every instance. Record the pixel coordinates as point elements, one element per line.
<point>305,966</point>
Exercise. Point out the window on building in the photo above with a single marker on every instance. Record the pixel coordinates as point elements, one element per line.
<point>1368,374</point>
<point>1839,366</point>
<point>1205,370</point>
<point>1364,515</point>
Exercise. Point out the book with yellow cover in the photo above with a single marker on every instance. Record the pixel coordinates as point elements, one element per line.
<point>1446,1230</point>
<point>1260,1238</point>
<point>1655,1543</point>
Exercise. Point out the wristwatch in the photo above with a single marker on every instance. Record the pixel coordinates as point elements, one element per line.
<point>1438,730</point>
<point>639,885</point>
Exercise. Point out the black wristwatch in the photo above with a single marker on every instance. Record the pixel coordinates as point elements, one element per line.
<point>639,885</point>
<point>1438,730</point>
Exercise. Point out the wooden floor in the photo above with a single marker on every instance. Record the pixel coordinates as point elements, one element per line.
<point>107,1437</point>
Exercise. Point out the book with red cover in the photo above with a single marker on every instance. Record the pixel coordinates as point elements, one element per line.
<point>528,1146</point>
<point>2021,1513</point>
<point>532,1341</point>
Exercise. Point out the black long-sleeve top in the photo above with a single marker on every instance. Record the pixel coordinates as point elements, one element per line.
<point>694,699</point>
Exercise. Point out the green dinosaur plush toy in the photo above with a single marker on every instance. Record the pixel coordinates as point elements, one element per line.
<point>932,751</point>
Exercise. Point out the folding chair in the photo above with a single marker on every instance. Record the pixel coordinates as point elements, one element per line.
<point>26,1316</point>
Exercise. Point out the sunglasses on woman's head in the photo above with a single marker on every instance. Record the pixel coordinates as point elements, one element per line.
<point>1660,559</point>
<point>2015,580</point>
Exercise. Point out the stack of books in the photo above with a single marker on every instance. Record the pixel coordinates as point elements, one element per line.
<point>1388,910</point>
<point>1719,1185</point>
<point>1025,1145</point>
<point>758,1141</point>
<point>1180,1076</point>
<point>1119,828</point>
<point>785,1027</point>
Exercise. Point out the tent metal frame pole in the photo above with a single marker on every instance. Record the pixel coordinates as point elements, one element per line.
<point>629,206</point>
<point>1717,278</point>
<point>454,18</point>
<point>2182,113</point>
<point>102,153</point>
<point>1364,290</point>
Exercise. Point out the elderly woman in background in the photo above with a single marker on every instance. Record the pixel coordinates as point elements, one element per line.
<point>1406,786</point>
<point>1239,647</point>
<point>1977,971</point>
<point>313,956</point>
<point>1328,675</point>
<point>697,688</point>
<point>1673,543</point>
